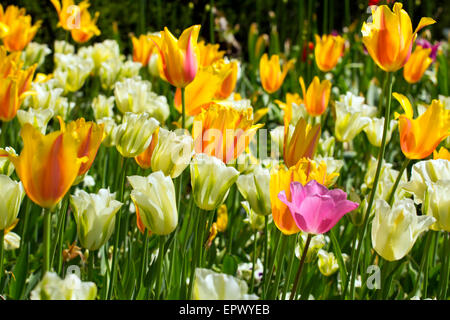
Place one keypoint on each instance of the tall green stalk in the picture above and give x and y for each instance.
(46, 240)
(300, 267)
(397, 181)
(2, 254)
(375, 185)
(183, 106)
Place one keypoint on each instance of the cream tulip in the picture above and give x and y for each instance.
(10, 200)
(374, 131)
(38, 118)
(437, 204)
(254, 187)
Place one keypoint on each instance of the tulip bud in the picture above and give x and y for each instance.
(100, 52)
(317, 243)
(155, 202)
(10, 199)
(35, 53)
(6, 166)
(108, 131)
(172, 153)
(211, 181)
(396, 229)
(103, 107)
(437, 204)
(45, 95)
(210, 285)
(327, 263)
(254, 187)
(37, 118)
(52, 287)
(95, 217)
(72, 71)
(374, 131)
(133, 136)
(64, 47)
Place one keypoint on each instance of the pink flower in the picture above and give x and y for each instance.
(316, 209)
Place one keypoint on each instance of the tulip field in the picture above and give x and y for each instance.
(175, 150)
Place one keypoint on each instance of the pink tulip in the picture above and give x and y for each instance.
(316, 209)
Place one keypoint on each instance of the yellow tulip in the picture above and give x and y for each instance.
(143, 47)
(223, 131)
(389, 38)
(317, 96)
(280, 179)
(417, 64)
(419, 137)
(179, 57)
(270, 72)
(209, 53)
(144, 160)
(229, 84)
(48, 165)
(16, 29)
(328, 50)
(442, 154)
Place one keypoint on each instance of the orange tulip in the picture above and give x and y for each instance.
(144, 160)
(179, 57)
(16, 29)
(417, 64)
(270, 72)
(209, 53)
(223, 131)
(328, 50)
(389, 38)
(228, 85)
(317, 97)
(77, 19)
(90, 136)
(143, 47)
(280, 179)
(419, 137)
(48, 165)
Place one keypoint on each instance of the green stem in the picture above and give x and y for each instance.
(60, 228)
(4, 133)
(375, 185)
(91, 265)
(445, 267)
(288, 278)
(198, 219)
(46, 240)
(300, 267)
(266, 251)
(112, 281)
(144, 262)
(280, 260)
(252, 281)
(397, 181)
(2, 254)
(422, 262)
(183, 106)
(160, 264)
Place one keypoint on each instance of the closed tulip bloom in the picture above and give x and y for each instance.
(179, 57)
(374, 131)
(317, 96)
(154, 199)
(103, 107)
(211, 181)
(6, 166)
(316, 209)
(437, 204)
(224, 131)
(72, 71)
(209, 53)
(396, 229)
(389, 37)
(10, 200)
(327, 263)
(16, 29)
(417, 64)
(229, 84)
(144, 160)
(328, 50)
(48, 165)
(442, 154)
(210, 285)
(38, 118)
(134, 135)
(35, 53)
(280, 179)
(95, 217)
(270, 72)
(254, 187)
(317, 243)
(419, 137)
(52, 287)
(143, 48)
(172, 153)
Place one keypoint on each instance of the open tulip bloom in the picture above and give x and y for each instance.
(316, 209)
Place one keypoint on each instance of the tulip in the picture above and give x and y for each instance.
(47, 165)
(143, 48)
(254, 187)
(328, 50)
(108, 131)
(209, 53)
(64, 47)
(133, 136)
(396, 229)
(6, 166)
(293, 108)
(179, 58)
(425, 44)
(317, 243)
(316, 209)
(419, 137)
(52, 287)
(229, 84)
(442, 154)
(437, 204)
(210, 285)
(280, 179)
(16, 29)
(211, 181)
(256, 221)
(35, 53)
(10, 200)
(374, 130)
(417, 64)
(45, 96)
(155, 202)
(327, 263)
(317, 96)
(144, 160)
(352, 116)
(101, 52)
(270, 72)
(72, 71)
(389, 37)
(38, 118)
(223, 131)
(172, 153)
(103, 107)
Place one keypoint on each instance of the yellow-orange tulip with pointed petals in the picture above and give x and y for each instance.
(179, 57)
(317, 96)
(228, 85)
(328, 50)
(419, 137)
(270, 72)
(144, 160)
(223, 132)
(143, 47)
(417, 64)
(209, 53)
(389, 37)
(48, 165)
(442, 154)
